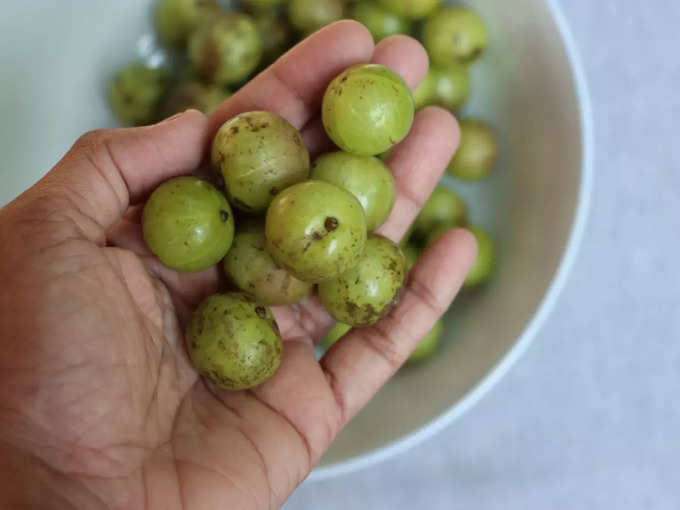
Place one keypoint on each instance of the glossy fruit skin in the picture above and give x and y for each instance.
(366, 177)
(226, 49)
(367, 109)
(335, 334)
(275, 34)
(411, 8)
(258, 154)
(250, 267)
(380, 21)
(485, 263)
(364, 294)
(194, 95)
(427, 345)
(425, 94)
(316, 230)
(234, 341)
(136, 94)
(452, 86)
(175, 20)
(310, 15)
(188, 224)
(454, 35)
(443, 207)
(444, 86)
(477, 153)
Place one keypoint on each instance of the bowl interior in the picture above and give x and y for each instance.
(58, 57)
(526, 88)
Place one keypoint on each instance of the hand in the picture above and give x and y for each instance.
(100, 406)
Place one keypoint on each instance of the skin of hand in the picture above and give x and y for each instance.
(100, 406)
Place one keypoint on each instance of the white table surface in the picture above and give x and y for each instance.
(590, 417)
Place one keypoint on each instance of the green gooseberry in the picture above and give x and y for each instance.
(310, 15)
(437, 231)
(454, 35)
(380, 22)
(234, 342)
(444, 206)
(275, 34)
(444, 86)
(477, 153)
(316, 230)
(226, 49)
(366, 177)
(365, 293)
(262, 4)
(188, 224)
(136, 94)
(258, 155)
(367, 109)
(411, 8)
(427, 345)
(452, 86)
(194, 95)
(250, 267)
(336, 333)
(175, 20)
(485, 263)
(425, 94)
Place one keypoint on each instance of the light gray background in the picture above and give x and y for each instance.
(590, 417)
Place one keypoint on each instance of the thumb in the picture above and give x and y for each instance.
(108, 170)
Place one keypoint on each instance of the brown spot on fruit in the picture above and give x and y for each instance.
(331, 223)
(261, 312)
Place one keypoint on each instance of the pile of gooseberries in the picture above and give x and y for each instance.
(279, 224)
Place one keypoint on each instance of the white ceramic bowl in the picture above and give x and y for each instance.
(56, 58)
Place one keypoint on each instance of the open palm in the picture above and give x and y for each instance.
(100, 406)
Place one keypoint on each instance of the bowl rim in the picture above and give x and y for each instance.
(555, 288)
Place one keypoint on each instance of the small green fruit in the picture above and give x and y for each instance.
(454, 35)
(444, 206)
(177, 19)
(226, 49)
(234, 342)
(136, 94)
(188, 224)
(411, 8)
(310, 15)
(364, 294)
(478, 151)
(486, 259)
(258, 154)
(427, 345)
(367, 109)
(194, 95)
(250, 267)
(366, 177)
(316, 230)
(380, 21)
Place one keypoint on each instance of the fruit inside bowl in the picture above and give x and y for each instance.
(520, 178)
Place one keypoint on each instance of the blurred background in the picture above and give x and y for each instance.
(589, 417)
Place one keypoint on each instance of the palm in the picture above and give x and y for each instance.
(96, 359)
